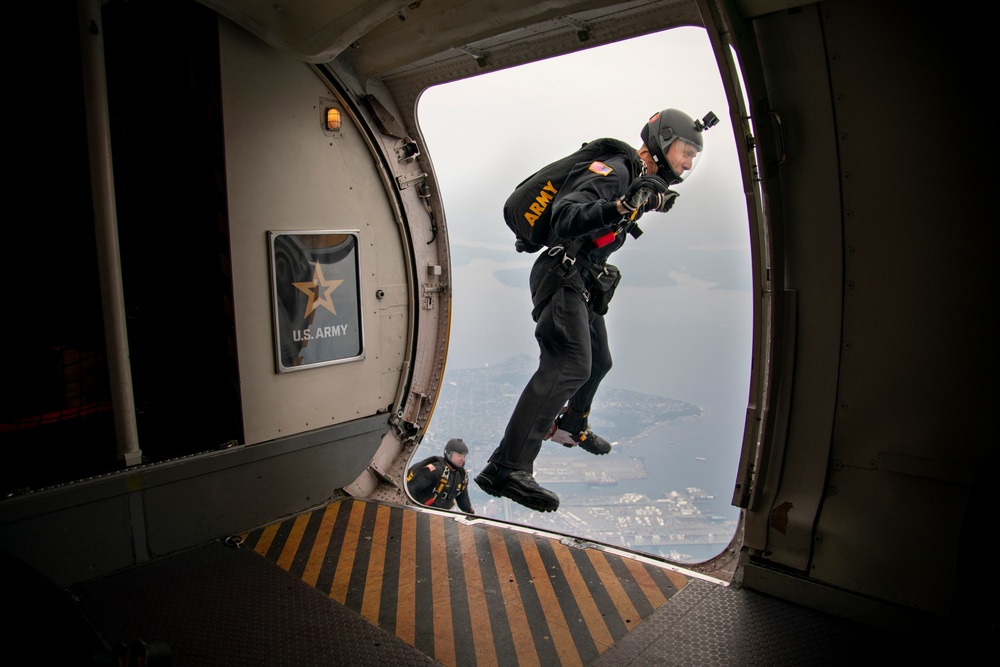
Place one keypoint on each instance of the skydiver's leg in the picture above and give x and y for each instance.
(572, 427)
(565, 361)
(599, 368)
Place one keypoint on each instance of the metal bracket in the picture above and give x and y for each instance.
(478, 54)
(406, 180)
(427, 293)
(582, 29)
(387, 123)
(407, 150)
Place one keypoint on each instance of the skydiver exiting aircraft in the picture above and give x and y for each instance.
(592, 206)
(440, 481)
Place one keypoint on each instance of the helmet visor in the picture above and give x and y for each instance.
(682, 156)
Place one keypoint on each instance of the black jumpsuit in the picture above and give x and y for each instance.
(424, 482)
(572, 337)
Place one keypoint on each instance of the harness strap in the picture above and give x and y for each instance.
(570, 249)
(442, 483)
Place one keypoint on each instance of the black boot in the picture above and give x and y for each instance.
(571, 429)
(517, 485)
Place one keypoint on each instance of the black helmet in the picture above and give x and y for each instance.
(456, 445)
(667, 126)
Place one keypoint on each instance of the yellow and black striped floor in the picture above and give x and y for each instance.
(361, 583)
(468, 593)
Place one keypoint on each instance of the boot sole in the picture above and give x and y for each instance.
(487, 487)
(531, 502)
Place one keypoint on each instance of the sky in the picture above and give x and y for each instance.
(680, 322)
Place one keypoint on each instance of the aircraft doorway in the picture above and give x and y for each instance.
(680, 325)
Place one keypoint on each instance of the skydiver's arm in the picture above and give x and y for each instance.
(421, 484)
(465, 503)
(588, 202)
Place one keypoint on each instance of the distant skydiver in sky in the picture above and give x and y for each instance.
(441, 481)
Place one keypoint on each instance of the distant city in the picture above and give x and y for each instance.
(600, 497)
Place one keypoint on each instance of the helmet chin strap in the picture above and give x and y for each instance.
(649, 165)
(667, 173)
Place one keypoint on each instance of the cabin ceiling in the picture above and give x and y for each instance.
(410, 45)
(317, 31)
(405, 31)
(382, 38)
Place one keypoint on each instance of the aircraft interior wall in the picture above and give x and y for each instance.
(167, 145)
(54, 342)
(186, 293)
(286, 174)
(163, 100)
(885, 427)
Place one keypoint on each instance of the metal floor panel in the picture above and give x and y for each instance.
(362, 583)
(217, 605)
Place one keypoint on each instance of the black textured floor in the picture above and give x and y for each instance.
(218, 605)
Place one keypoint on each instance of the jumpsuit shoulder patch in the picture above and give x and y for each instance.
(430, 466)
(600, 168)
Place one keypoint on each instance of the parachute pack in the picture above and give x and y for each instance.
(528, 211)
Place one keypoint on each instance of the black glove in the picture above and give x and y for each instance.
(640, 190)
(661, 202)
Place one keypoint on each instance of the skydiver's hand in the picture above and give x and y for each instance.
(661, 202)
(640, 190)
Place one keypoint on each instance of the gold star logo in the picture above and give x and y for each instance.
(312, 289)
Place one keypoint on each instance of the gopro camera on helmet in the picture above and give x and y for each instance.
(710, 120)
